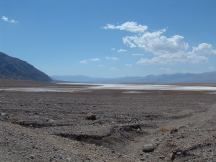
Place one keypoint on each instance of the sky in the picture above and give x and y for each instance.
(111, 38)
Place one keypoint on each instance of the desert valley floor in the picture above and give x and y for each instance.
(114, 125)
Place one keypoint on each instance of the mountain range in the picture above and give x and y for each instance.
(14, 68)
(207, 77)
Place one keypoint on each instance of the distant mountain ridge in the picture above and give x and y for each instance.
(207, 77)
(14, 68)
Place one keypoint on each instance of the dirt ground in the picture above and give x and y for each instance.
(106, 125)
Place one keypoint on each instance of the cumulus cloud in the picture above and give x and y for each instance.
(173, 58)
(111, 58)
(204, 49)
(6, 19)
(128, 26)
(89, 60)
(198, 54)
(164, 49)
(156, 42)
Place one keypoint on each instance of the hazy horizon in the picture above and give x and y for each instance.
(132, 75)
(111, 39)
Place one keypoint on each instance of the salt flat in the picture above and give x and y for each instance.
(86, 87)
(154, 87)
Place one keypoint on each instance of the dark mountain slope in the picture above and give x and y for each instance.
(13, 68)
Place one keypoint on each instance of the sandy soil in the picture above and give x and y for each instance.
(106, 125)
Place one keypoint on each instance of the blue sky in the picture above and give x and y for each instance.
(111, 38)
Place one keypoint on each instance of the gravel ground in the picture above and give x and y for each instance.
(106, 125)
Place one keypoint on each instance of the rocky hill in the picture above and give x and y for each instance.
(14, 68)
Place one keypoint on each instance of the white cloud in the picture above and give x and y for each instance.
(164, 49)
(156, 42)
(6, 19)
(89, 60)
(121, 50)
(128, 26)
(83, 62)
(173, 58)
(197, 55)
(111, 58)
(94, 59)
(204, 49)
